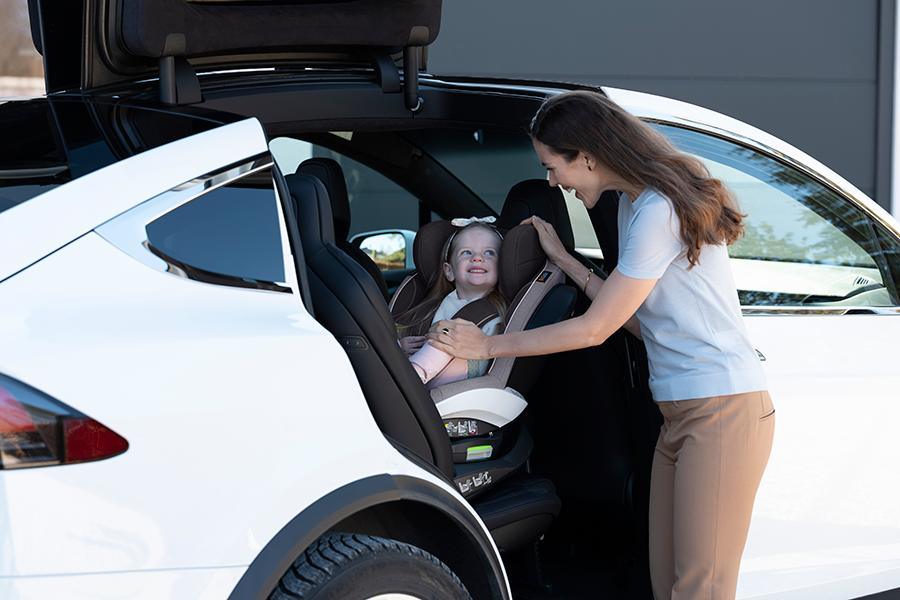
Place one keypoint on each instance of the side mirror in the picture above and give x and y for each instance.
(389, 250)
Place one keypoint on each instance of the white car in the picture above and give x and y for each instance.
(197, 398)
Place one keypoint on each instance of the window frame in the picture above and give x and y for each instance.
(877, 221)
(129, 231)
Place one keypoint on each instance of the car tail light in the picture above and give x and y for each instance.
(38, 431)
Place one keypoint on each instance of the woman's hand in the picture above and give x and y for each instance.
(550, 242)
(412, 343)
(460, 338)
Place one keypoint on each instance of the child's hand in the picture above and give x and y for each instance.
(411, 343)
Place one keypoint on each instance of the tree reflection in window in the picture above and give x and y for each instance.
(803, 243)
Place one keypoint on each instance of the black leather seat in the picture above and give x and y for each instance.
(330, 173)
(350, 306)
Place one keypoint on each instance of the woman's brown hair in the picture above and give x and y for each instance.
(424, 310)
(589, 122)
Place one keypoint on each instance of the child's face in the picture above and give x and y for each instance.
(473, 262)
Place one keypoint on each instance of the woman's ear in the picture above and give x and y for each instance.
(448, 272)
(587, 160)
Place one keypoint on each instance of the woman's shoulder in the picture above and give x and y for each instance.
(653, 205)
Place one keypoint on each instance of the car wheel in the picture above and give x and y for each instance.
(364, 567)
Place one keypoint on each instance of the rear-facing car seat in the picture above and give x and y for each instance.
(349, 304)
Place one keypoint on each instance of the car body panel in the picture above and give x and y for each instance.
(197, 584)
(162, 339)
(827, 508)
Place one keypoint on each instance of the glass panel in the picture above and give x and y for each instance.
(232, 230)
(488, 162)
(387, 250)
(376, 202)
(582, 228)
(803, 244)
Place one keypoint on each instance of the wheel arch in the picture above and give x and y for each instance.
(399, 507)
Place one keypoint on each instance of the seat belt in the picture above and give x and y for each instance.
(480, 312)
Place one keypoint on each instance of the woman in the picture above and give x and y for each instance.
(673, 287)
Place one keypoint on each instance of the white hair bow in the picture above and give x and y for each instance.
(463, 222)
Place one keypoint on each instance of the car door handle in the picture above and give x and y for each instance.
(760, 355)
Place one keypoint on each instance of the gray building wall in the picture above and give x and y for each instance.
(816, 73)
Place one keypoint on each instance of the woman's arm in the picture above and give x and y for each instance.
(590, 283)
(613, 304)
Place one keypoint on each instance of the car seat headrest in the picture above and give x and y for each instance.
(330, 173)
(521, 256)
(427, 248)
(537, 197)
(521, 259)
(313, 208)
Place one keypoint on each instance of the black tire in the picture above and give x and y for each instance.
(343, 566)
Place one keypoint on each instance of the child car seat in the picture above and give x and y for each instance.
(477, 412)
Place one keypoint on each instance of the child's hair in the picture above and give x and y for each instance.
(413, 317)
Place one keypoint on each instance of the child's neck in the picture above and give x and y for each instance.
(471, 294)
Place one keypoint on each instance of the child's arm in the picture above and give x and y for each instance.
(428, 362)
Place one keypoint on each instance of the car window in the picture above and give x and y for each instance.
(803, 243)
(490, 162)
(376, 202)
(232, 231)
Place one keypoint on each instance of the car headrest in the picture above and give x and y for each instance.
(427, 248)
(536, 197)
(313, 208)
(330, 173)
(521, 259)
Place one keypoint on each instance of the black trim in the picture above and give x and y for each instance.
(893, 594)
(276, 557)
(198, 274)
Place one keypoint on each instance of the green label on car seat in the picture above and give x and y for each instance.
(479, 452)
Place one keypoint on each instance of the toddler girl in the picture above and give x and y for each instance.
(470, 266)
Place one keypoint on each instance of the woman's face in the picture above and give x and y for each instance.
(472, 265)
(588, 183)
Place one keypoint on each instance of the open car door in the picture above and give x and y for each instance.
(130, 40)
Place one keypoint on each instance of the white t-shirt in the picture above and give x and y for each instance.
(697, 345)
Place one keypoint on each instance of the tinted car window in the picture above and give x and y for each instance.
(803, 243)
(232, 231)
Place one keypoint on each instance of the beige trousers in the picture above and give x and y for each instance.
(708, 462)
